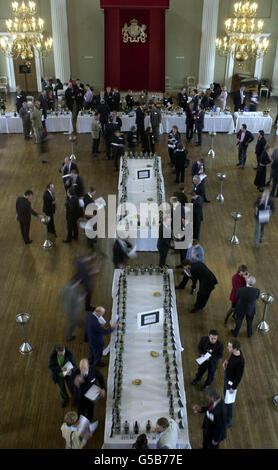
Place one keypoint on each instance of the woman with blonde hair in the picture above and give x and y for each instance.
(223, 98)
(75, 438)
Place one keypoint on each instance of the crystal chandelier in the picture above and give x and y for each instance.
(243, 34)
(26, 33)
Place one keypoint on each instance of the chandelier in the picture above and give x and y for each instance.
(26, 33)
(243, 37)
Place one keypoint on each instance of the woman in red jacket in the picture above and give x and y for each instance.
(238, 280)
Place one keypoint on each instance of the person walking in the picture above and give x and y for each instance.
(209, 344)
(244, 138)
(263, 161)
(25, 115)
(72, 298)
(234, 368)
(246, 306)
(264, 208)
(238, 280)
(59, 357)
(207, 282)
(94, 333)
(23, 215)
(95, 131)
(194, 254)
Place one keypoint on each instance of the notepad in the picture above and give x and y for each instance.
(93, 393)
(202, 359)
(69, 366)
(230, 397)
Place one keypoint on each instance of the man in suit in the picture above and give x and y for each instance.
(140, 122)
(209, 344)
(121, 249)
(260, 145)
(76, 183)
(95, 131)
(197, 202)
(36, 120)
(129, 99)
(264, 208)
(234, 368)
(79, 94)
(240, 99)
(118, 147)
(200, 187)
(180, 159)
(85, 273)
(110, 128)
(94, 333)
(195, 100)
(89, 198)
(182, 99)
(190, 120)
(200, 124)
(207, 282)
(108, 96)
(116, 99)
(155, 120)
(70, 96)
(43, 106)
(116, 120)
(58, 359)
(246, 306)
(49, 207)
(215, 420)
(244, 138)
(164, 242)
(194, 254)
(66, 169)
(20, 98)
(213, 95)
(24, 212)
(104, 112)
(72, 216)
(25, 115)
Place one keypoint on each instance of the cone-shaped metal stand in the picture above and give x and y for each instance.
(211, 152)
(22, 319)
(266, 299)
(45, 221)
(72, 139)
(220, 197)
(234, 240)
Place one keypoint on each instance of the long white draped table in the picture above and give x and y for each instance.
(148, 401)
(9, 124)
(254, 122)
(219, 123)
(141, 191)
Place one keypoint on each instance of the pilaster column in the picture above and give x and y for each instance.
(208, 43)
(275, 75)
(60, 40)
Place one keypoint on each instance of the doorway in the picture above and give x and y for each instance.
(26, 76)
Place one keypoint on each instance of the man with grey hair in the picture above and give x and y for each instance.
(246, 306)
(264, 208)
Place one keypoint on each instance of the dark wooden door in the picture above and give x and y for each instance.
(27, 81)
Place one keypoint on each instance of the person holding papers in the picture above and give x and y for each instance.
(94, 333)
(234, 368)
(246, 306)
(66, 169)
(215, 421)
(76, 435)
(86, 392)
(264, 208)
(200, 186)
(207, 282)
(61, 363)
(211, 351)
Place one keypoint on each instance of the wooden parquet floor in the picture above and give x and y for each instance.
(31, 279)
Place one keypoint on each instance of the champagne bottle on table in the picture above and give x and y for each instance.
(136, 428)
(148, 427)
(126, 428)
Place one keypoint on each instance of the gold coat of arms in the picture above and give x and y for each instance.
(134, 32)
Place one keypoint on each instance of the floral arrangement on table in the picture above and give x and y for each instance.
(266, 112)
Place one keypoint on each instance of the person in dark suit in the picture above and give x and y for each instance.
(70, 96)
(66, 169)
(24, 212)
(83, 379)
(118, 147)
(182, 99)
(206, 101)
(89, 198)
(199, 124)
(72, 216)
(209, 344)
(121, 249)
(164, 242)
(264, 209)
(197, 202)
(260, 145)
(264, 160)
(215, 421)
(104, 112)
(129, 99)
(244, 138)
(195, 99)
(20, 98)
(200, 187)
(149, 141)
(25, 115)
(58, 359)
(94, 333)
(190, 120)
(274, 174)
(234, 368)
(85, 272)
(140, 122)
(181, 196)
(132, 138)
(246, 306)
(116, 99)
(43, 100)
(116, 120)
(207, 282)
(155, 120)
(213, 95)
(198, 168)
(180, 160)
(76, 183)
(110, 128)
(49, 207)
(194, 254)
(79, 91)
(240, 99)
(108, 96)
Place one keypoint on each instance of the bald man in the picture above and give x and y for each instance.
(94, 333)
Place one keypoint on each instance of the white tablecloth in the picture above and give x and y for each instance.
(139, 191)
(221, 123)
(254, 121)
(13, 125)
(148, 401)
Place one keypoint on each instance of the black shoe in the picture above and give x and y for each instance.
(71, 339)
(206, 200)
(44, 161)
(243, 167)
(233, 333)
(238, 164)
(75, 238)
(255, 168)
(64, 403)
(195, 382)
(66, 241)
(29, 242)
(204, 388)
(194, 310)
(101, 364)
